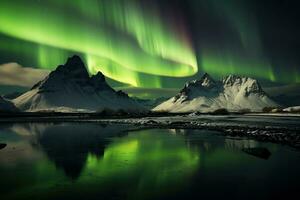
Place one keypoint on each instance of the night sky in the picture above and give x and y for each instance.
(156, 43)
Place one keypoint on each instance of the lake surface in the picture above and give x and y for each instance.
(94, 161)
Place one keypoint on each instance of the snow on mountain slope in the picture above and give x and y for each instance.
(7, 106)
(292, 109)
(69, 88)
(206, 95)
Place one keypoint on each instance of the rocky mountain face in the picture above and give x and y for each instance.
(70, 88)
(233, 93)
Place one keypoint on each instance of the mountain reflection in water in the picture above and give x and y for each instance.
(90, 160)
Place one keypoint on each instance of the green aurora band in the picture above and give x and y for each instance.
(242, 55)
(238, 48)
(134, 43)
(226, 62)
(117, 37)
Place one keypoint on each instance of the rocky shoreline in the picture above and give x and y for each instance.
(280, 130)
(281, 135)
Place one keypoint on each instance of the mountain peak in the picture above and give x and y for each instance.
(250, 85)
(233, 79)
(99, 77)
(74, 67)
(207, 81)
(74, 60)
(70, 87)
(99, 83)
(232, 92)
(206, 75)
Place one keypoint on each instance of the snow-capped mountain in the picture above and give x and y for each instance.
(233, 93)
(69, 88)
(7, 106)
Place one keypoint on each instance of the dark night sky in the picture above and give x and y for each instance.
(277, 22)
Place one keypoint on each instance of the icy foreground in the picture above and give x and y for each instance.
(233, 93)
(70, 89)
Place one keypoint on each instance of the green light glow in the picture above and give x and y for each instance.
(113, 71)
(226, 63)
(142, 161)
(240, 49)
(243, 55)
(117, 36)
(143, 164)
(50, 56)
(148, 150)
(134, 43)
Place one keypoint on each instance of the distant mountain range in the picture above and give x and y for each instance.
(69, 88)
(233, 93)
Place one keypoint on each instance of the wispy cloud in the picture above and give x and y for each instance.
(16, 75)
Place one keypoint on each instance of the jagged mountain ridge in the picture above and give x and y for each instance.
(70, 88)
(233, 93)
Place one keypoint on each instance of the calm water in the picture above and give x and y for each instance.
(92, 161)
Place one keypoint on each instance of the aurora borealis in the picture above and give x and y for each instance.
(111, 34)
(155, 44)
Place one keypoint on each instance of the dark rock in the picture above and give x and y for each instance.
(122, 94)
(178, 123)
(221, 111)
(7, 105)
(259, 152)
(2, 145)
